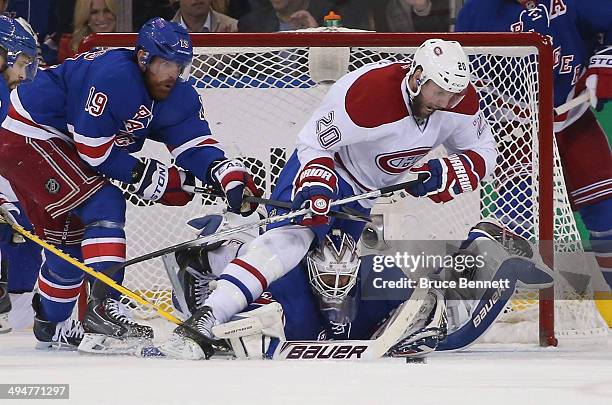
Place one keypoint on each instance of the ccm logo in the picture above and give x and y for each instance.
(399, 162)
(325, 352)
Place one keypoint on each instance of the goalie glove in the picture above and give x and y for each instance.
(315, 188)
(236, 182)
(598, 78)
(154, 181)
(448, 177)
(423, 336)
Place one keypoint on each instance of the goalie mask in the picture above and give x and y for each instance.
(444, 63)
(333, 267)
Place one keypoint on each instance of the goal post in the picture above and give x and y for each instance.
(259, 89)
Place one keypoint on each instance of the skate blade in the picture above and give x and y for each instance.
(94, 343)
(55, 346)
(5, 326)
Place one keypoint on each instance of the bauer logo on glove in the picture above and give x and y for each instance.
(448, 177)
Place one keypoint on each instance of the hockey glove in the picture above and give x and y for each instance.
(448, 177)
(236, 182)
(598, 78)
(154, 181)
(8, 211)
(315, 188)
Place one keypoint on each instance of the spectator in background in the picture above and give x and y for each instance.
(413, 16)
(90, 16)
(144, 10)
(285, 15)
(200, 16)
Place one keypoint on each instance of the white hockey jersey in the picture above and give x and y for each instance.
(365, 124)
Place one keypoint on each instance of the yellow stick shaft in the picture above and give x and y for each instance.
(100, 276)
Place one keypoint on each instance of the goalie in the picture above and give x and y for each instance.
(321, 298)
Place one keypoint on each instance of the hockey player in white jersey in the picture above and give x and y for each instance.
(372, 128)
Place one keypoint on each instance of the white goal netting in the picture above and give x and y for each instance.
(258, 97)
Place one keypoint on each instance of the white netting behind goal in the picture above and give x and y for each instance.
(256, 100)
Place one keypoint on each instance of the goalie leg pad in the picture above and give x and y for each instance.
(510, 259)
(253, 333)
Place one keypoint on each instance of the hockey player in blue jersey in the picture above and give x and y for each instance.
(329, 295)
(75, 127)
(18, 64)
(580, 65)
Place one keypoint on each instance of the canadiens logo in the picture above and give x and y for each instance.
(399, 162)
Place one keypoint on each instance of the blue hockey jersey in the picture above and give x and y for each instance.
(99, 102)
(572, 25)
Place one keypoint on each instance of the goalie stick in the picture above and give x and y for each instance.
(224, 234)
(390, 334)
(384, 339)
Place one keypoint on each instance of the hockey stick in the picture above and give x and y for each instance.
(96, 274)
(563, 108)
(352, 215)
(357, 349)
(223, 234)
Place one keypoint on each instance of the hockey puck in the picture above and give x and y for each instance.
(416, 360)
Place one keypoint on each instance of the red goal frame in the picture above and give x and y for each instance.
(372, 39)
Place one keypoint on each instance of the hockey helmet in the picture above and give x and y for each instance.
(445, 63)
(16, 40)
(333, 266)
(167, 40)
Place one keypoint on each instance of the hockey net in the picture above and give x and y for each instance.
(258, 91)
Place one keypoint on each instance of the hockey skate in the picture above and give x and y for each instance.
(195, 276)
(66, 335)
(110, 330)
(5, 308)
(194, 339)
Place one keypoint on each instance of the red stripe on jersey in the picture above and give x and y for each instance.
(376, 98)
(236, 175)
(256, 273)
(63, 293)
(103, 249)
(16, 116)
(605, 262)
(469, 105)
(478, 162)
(95, 152)
(207, 141)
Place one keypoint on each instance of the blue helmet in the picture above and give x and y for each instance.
(16, 40)
(167, 40)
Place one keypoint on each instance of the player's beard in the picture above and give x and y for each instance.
(158, 90)
(420, 109)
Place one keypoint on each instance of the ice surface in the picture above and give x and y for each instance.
(495, 374)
